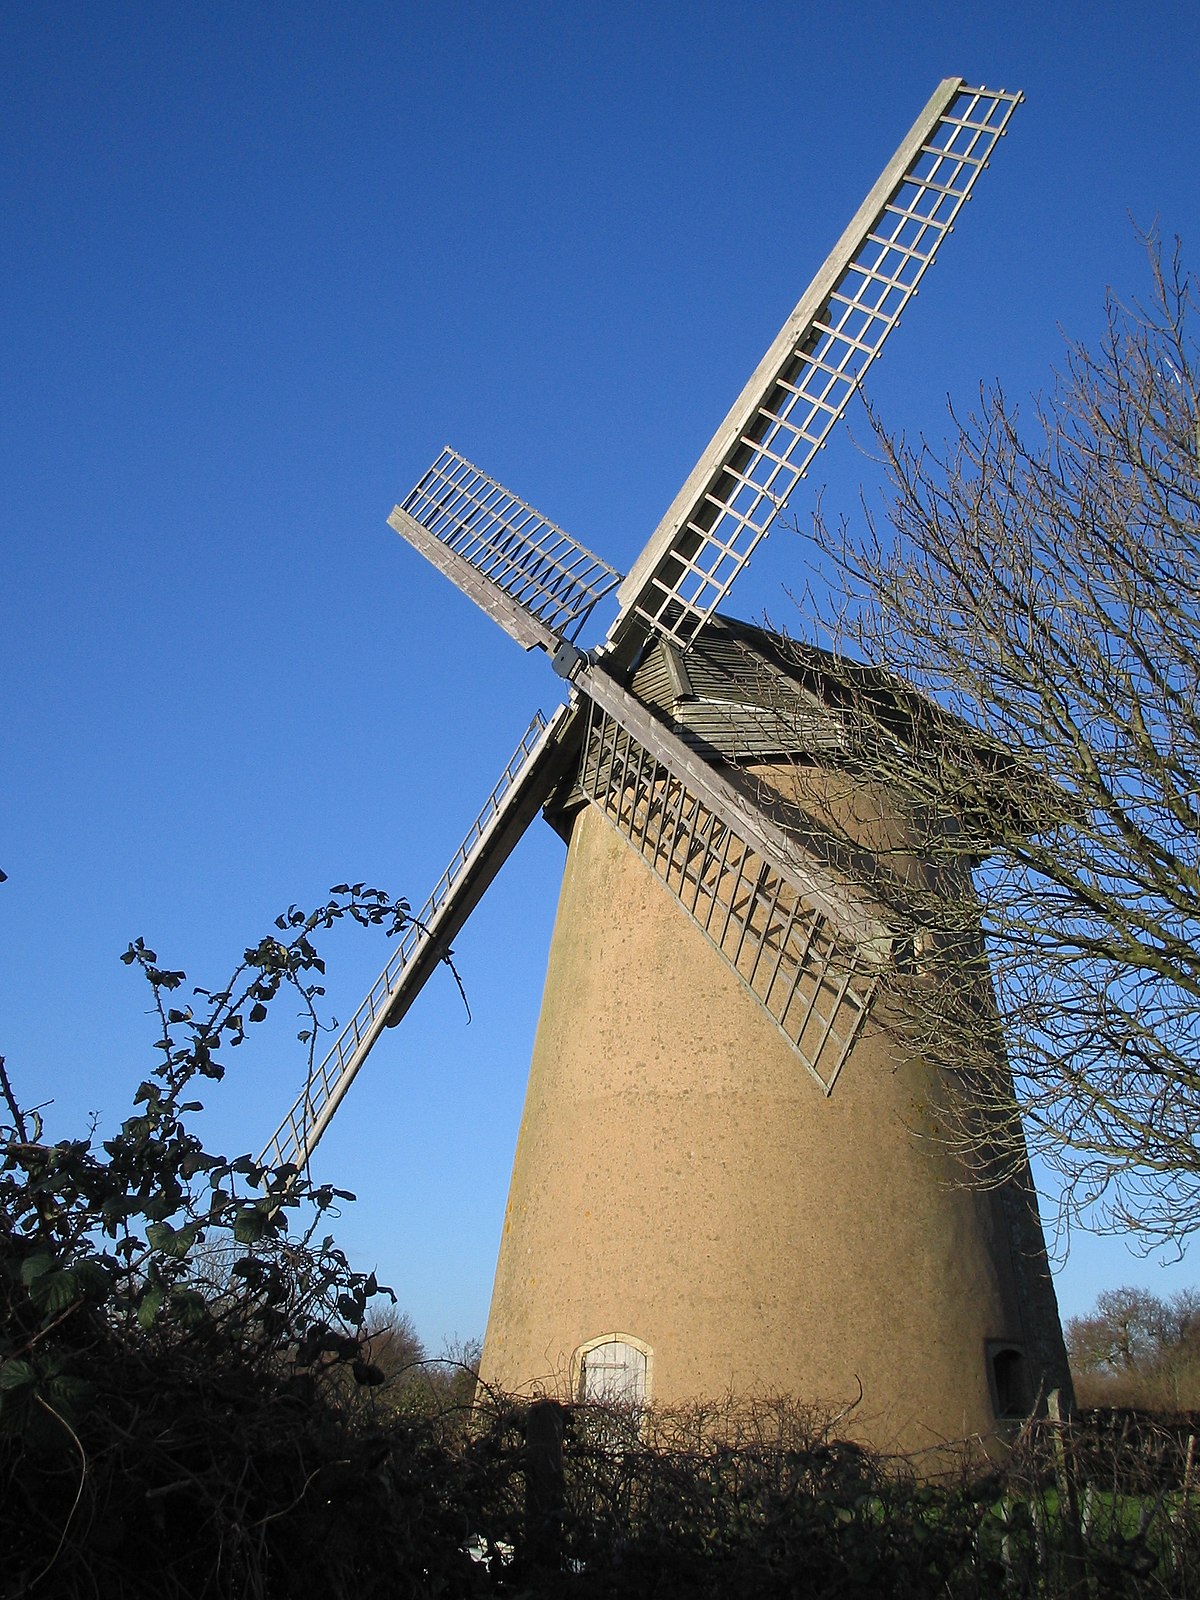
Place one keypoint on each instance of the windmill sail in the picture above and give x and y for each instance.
(805, 862)
(537, 582)
(800, 932)
(806, 379)
(668, 1144)
(812, 981)
(511, 806)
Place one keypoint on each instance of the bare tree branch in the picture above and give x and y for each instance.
(1039, 579)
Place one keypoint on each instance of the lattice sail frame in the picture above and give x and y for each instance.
(812, 985)
(309, 1115)
(487, 539)
(807, 378)
(541, 585)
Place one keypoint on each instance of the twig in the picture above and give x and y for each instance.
(15, 1111)
(62, 1538)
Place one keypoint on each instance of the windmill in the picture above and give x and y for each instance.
(717, 1183)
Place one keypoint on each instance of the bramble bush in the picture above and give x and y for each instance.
(181, 1370)
(199, 1400)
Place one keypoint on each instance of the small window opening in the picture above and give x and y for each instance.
(613, 1372)
(1010, 1388)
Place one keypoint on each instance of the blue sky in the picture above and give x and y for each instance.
(260, 262)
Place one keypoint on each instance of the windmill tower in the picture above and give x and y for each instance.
(721, 1183)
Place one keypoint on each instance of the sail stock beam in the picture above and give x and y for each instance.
(522, 790)
(808, 376)
(846, 905)
(814, 983)
(536, 581)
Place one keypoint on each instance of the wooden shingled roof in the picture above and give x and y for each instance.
(740, 691)
(744, 694)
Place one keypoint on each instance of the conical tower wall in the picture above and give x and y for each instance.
(683, 1185)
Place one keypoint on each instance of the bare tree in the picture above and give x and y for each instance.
(1137, 1349)
(414, 1380)
(1039, 580)
(393, 1343)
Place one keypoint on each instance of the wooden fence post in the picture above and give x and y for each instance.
(545, 1425)
(1075, 1559)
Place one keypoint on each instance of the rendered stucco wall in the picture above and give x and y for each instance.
(680, 1178)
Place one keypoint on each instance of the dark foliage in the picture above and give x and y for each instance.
(178, 1371)
(197, 1402)
(760, 1500)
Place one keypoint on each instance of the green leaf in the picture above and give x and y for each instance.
(258, 1011)
(55, 1291)
(159, 1236)
(93, 1277)
(150, 1305)
(171, 1241)
(69, 1396)
(36, 1266)
(249, 1225)
(17, 1374)
(190, 1306)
